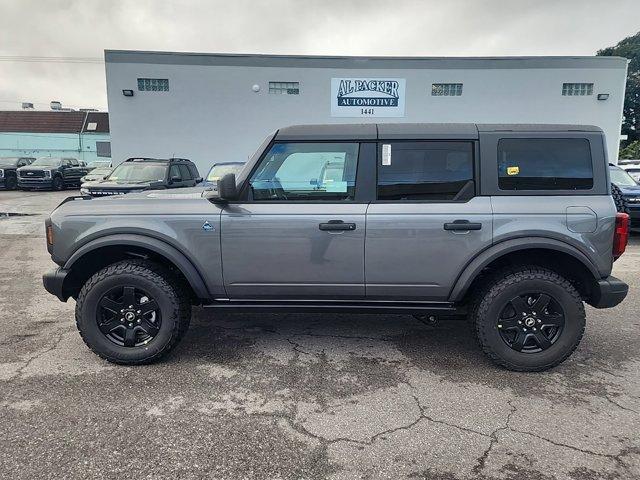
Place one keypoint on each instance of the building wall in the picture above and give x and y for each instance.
(82, 147)
(211, 113)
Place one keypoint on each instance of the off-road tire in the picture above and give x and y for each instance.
(173, 300)
(487, 303)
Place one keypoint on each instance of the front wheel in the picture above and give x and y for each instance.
(529, 319)
(132, 312)
(58, 183)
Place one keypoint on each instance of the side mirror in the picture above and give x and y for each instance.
(227, 189)
(199, 180)
(175, 179)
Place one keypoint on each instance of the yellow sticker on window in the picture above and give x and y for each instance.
(513, 170)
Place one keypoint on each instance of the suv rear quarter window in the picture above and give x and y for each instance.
(544, 164)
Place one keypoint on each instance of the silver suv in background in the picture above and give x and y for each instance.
(511, 226)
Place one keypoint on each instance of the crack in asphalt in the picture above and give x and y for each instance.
(34, 357)
(610, 400)
(482, 459)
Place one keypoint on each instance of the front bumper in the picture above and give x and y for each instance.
(53, 282)
(35, 182)
(610, 292)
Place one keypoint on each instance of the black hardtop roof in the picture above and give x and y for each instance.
(396, 131)
(157, 160)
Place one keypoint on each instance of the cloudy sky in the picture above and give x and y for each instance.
(53, 49)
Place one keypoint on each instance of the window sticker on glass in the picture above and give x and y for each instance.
(513, 170)
(386, 154)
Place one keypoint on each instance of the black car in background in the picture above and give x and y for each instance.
(138, 174)
(51, 173)
(8, 170)
(626, 194)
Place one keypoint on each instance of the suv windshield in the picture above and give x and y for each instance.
(221, 169)
(46, 162)
(621, 178)
(138, 172)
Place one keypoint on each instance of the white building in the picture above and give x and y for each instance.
(214, 107)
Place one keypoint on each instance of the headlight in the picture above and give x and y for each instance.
(84, 191)
(47, 174)
(1, 173)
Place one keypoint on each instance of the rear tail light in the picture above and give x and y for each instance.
(621, 234)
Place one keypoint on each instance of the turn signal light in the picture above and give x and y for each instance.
(50, 235)
(621, 234)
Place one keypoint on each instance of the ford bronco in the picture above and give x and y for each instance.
(512, 226)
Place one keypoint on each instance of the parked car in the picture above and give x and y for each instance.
(626, 194)
(51, 173)
(219, 170)
(632, 167)
(461, 219)
(96, 174)
(138, 174)
(8, 170)
(99, 163)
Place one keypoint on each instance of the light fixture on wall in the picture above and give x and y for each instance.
(127, 93)
(256, 88)
(603, 96)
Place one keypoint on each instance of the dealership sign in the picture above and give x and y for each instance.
(367, 97)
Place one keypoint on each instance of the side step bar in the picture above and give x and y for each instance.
(314, 306)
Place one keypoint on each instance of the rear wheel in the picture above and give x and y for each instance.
(132, 312)
(529, 319)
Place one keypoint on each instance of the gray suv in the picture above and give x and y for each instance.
(512, 226)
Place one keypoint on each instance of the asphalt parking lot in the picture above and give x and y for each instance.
(303, 396)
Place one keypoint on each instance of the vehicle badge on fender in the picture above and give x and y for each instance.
(207, 227)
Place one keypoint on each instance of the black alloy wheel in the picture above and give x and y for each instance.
(531, 323)
(128, 316)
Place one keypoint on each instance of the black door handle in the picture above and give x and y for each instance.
(462, 225)
(335, 225)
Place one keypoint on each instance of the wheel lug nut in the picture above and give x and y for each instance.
(519, 322)
(524, 329)
(138, 320)
(535, 313)
(139, 311)
(131, 324)
(534, 329)
(122, 319)
(524, 314)
(130, 306)
(539, 321)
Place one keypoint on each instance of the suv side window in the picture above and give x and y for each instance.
(186, 174)
(425, 170)
(174, 171)
(65, 162)
(307, 171)
(544, 164)
(73, 162)
(193, 170)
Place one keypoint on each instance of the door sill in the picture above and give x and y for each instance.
(337, 306)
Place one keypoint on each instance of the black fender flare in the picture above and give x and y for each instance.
(473, 269)
(160, 247)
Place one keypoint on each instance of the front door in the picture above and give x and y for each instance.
(426, 223)
(299, 232)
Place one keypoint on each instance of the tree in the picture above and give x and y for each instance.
(631, 151)
(630, 49)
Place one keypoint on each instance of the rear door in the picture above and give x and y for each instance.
(426, 223)
(299, 232)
